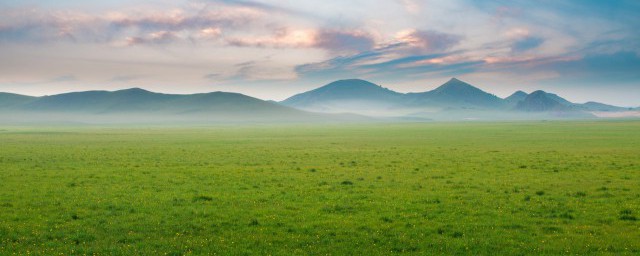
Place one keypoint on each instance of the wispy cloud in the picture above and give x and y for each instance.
(344, 41)
(427, 41)
(526, 43)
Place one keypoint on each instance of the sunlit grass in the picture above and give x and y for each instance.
(459, 188)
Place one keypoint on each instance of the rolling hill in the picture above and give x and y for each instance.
(455, 94)
(514, 98)
(9, 100)
(352, 95)
(343, 100)
(596, 106)
(540, 101)
(452, 100)
(140, 106)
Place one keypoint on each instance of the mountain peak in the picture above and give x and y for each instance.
(537, 93)
(347, 90)
(350, 83)
(133, 90)
(458, 94)
(516, 97)
(539, 101)
(456, 86)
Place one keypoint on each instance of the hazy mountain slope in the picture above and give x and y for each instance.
(558, 99)
(10, 100)
(141, 106)
(351, 89)
(129, 100)
(596, 106)
(540, 101)
(541, 104)
(515, 98)
(352, 95)
(225, 102)
(138, 100)
(454, 99)
(456, 94)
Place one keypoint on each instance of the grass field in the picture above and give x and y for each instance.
(440, 188)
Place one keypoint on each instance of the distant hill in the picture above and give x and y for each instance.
(9, 100)
(138, 105)
(596, 106)
(456, 94)
(129, 100)
(360, 96)
(139, 100)
(346, 96)
(343, 100)
(515, 98)
(540, 101)
(452, 100)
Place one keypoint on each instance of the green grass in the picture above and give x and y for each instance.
(460, 188)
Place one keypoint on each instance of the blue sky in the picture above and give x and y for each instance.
(582, 50)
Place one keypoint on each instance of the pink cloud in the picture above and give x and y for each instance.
(337, 41)
(427, 41)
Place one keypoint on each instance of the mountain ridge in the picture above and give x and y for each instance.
(453, 100)
(456, 93)
(137, 105)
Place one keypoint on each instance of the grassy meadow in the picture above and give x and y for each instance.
(511, 188)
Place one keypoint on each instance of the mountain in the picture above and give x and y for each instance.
(514, 98)
(129, 100)
(456, 94)
(343, 100)
(544, 101)
(137, 105)
(8, 100)
(453, 100)
(363, 97)
(352, 95)
(559, 99)
(541, 101)
(596, 106)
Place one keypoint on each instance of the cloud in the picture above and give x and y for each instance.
(427, 41)
(526, 43)
(411, 6)
(38, 26)
(255, 70)
(340, 41)
(160, 37)
(181, 19)
(412, 52)
(133, 27)
(390, 62)
(335, 41)
(280, 38)
(605, 66)
(212, 76)
(340, 63)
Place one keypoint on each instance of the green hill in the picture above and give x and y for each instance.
(456, 94)
(140, 106)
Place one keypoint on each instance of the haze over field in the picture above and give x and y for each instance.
(271, 50)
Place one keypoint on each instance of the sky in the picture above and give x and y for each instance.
(583, 50)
